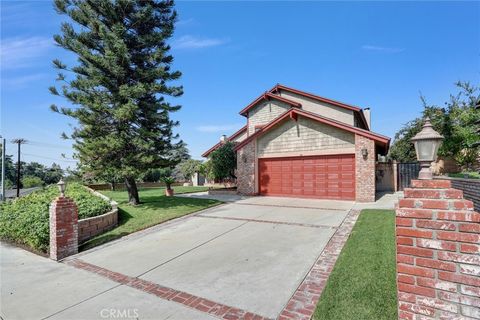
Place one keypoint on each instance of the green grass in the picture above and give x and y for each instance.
(155, 208)
(466, 175)
(362, 284)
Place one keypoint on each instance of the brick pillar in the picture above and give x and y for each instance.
(63, 228)
(438, 253)
(364, 169)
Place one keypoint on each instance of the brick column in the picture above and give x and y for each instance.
(63, 228)
(364, 169)
(438, 253)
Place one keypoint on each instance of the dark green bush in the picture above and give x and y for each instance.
(26, 220)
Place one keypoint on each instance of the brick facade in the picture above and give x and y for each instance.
(63, 228)
(438, 253)
(364, 169)
(246, 160)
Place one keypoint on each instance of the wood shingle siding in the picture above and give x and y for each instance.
(264, 113)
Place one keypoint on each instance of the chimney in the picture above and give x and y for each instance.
(366, 113)
(223, 138)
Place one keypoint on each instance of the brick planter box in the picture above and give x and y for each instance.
(91, 227)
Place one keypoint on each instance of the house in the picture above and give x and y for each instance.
(297, 144)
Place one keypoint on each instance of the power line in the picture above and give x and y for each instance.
(49, 158)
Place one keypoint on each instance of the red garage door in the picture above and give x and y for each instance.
(322, 177)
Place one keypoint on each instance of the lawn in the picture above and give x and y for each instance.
(362, 284)
(154, 209)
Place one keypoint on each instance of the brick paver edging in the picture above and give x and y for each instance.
(201, 304)
(303, 302)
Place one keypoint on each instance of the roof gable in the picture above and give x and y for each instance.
(294, 113)
(356, 109)
(268, 96)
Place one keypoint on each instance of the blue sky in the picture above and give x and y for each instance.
(371, 54)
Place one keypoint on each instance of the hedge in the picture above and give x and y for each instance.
(25, 220)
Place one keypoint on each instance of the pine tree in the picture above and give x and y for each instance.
(120, 85)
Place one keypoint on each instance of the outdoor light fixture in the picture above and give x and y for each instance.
(364, 153)
(426, 144)
(61, 187)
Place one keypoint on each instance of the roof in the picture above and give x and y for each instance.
(293, 114)
(268, 96)
(232, 137)
(357, 109)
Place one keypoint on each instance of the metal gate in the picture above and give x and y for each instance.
(406, 172)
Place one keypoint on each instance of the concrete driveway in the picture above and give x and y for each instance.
(252, 257)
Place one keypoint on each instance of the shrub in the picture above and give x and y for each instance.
(31, 181)
(26, 220)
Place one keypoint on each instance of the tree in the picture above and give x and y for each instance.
(10, 170)
(224, 162)
(120, 86)
(455, 121)
(31, 181)
(188, 168)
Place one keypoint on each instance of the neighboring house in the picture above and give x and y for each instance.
(297, 144)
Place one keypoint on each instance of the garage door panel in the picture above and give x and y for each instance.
(323, 177)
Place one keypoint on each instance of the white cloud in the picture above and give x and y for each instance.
(219, 128)
(20, 52)
(382, 49)
(191, 42)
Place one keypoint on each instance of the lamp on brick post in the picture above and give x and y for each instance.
(61, 186)
(426, 144)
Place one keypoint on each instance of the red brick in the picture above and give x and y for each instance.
(433, 204)
(417, 233)
(437, 284)
(422, 193)
(457, 236)
(404, 315)
(420, 252)
(469, 227)
(428, 292)
(458, 257)
(466, 216)
(415, 213)
(440, 225)
(454, 194)
(405, 259)
(406, 203)
(405, 222)
(405, 306)
(437, 244)
(407, 297)
(405, 241)
(469, 248)
(470, 269)
(435, 264)
(431, 184)
(462, 205)
(406, 279)
(416, 271)
(437, 304)
(468, 280)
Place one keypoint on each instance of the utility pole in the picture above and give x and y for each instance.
(2, 196)
(19, 142)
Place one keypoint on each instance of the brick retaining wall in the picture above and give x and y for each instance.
(438, 246)
(470, 188)
(91, 227)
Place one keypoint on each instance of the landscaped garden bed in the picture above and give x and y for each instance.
(362, 283)
(25, 221)
(155, 208)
